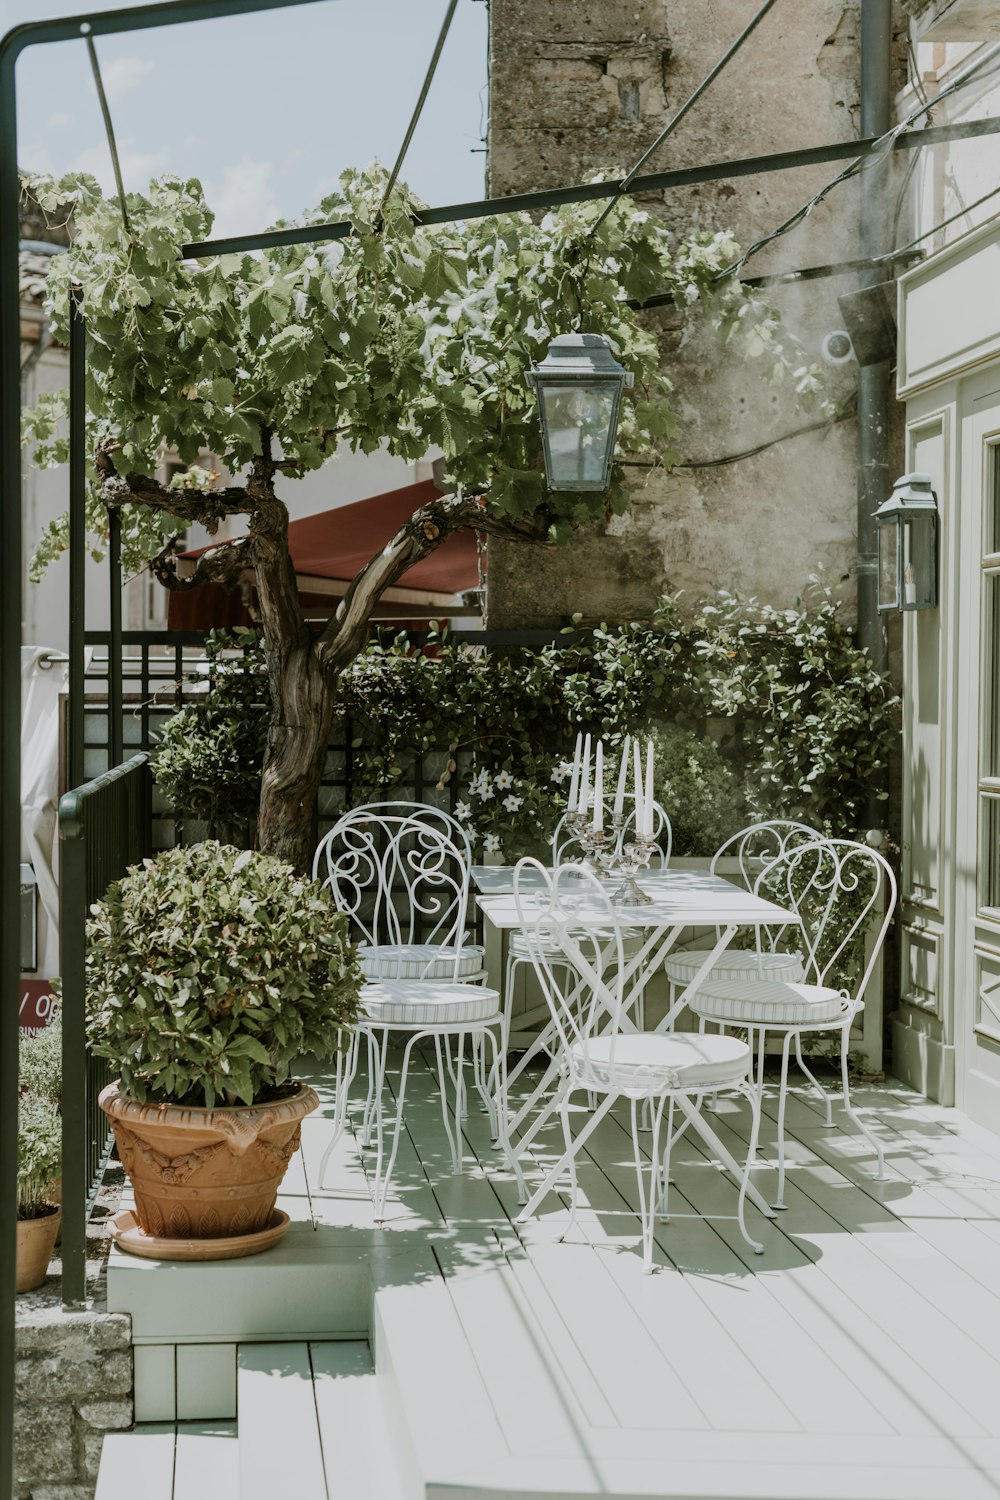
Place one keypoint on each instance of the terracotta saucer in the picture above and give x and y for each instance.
(126, 1233)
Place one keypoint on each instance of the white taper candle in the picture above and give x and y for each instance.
(647, 799)
(599, 788)
(637, 767)
(622, 777)
(574, 783)
(584, 797)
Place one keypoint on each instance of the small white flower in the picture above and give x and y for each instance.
(462, 810)
(512, 803)
(486, 792)
(504, 779)
(561, 771)
(491, 844)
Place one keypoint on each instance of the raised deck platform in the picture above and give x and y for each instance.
(858, 1357)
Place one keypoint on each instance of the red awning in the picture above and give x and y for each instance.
(328, 550)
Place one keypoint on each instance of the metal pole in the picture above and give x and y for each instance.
(873, 380)
(115, 746)
(10, 757)
(77, 531)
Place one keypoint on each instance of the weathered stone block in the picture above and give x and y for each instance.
(109, 1416)
(74, 1376)
(113, 1331)
(81, 1491)
(92, 1445)
(43, 1443)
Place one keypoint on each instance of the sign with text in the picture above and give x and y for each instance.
(38, 1006)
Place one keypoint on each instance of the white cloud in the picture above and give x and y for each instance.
(122, 74)
(32, 156)
(242, 200)
(60, 119)
(137, 166)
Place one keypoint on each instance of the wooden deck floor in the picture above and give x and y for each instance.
(860, 1355)
(857, 1359)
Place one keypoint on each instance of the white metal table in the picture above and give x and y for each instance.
(680, 899)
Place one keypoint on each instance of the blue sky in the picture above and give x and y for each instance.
(266, 109)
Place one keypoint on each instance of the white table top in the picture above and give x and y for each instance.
(691, 897)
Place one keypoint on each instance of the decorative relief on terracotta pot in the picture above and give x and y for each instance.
(206, 1174)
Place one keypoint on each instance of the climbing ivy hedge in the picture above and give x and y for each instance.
(755, 712)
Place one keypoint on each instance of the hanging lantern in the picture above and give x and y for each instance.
(579, 386)
(907, 545)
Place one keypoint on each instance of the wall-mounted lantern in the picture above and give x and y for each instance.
(579, 386)
(907, 545)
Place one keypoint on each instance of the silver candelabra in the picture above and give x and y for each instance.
(608, 855)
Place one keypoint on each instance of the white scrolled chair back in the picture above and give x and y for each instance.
(814, 879)
(566, 842)
(761, 844)
(400, 872)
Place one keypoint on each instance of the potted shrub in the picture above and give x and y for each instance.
(39, 1154)
(209, 970)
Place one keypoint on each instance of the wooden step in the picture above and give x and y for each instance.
(189, 1461)
(276, 1423)
(355, 1431)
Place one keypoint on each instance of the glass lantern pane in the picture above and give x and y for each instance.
(888, 576)
(577, 425)
(919, 562)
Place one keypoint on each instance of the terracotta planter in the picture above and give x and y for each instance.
(206, 1173)
(36, 1240)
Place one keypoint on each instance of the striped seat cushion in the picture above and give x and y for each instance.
(735, 963)
(649, 1059)
(758, 1002)
(390, 1002)
(419, 961)
(519, 945)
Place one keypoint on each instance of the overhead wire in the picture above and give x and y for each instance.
(108, 127)
(883, 145)
(418, 108)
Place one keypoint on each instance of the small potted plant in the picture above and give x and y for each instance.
(39, 1154)
(209, 971)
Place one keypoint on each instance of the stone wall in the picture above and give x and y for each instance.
(73, 1384)
(579, 86)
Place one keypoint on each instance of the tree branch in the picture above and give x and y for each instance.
(225, 564)
(427, 528)
(208, 507)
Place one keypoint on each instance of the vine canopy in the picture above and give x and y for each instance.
(408, 335)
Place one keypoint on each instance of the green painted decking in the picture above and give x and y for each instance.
(858, 1357)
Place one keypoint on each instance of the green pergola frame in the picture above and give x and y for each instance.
(110, 23)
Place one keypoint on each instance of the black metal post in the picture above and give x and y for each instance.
(115, 745)
(873, 380)
(73, 900)
(77, 532)
(10, 754)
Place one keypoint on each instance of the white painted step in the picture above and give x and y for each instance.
(299, 1404)
(189, 1461)
(355, 1429)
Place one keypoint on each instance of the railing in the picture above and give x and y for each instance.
(104, 826)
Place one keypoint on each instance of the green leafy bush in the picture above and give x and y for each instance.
(39, 1152)
(39, 1063)
(814, 722)
(210, 969)
(209, 756)
(702, 793)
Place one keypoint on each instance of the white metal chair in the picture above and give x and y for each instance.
(754, 847)
(573, 930)
(844, 893)
(400, 872)
(566, 846)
